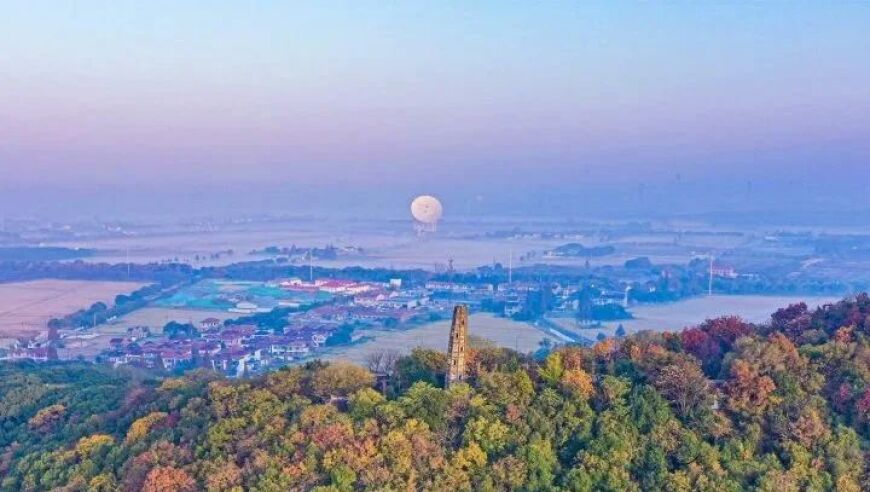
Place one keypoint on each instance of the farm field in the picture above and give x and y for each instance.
(678, 315)
(26, 307)
(221, 295)
(501, 331)
(391, 244)
(89, 343)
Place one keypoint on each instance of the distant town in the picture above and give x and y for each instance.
(251, 317)
(126, 294)
(300, 319)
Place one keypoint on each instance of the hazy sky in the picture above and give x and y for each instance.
(527, 103)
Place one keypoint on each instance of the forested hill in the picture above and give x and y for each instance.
(722, 406)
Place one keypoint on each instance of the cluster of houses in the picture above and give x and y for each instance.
(30, 350)
(245, 349)
(39, 348)
(512, 295)
(234, 350)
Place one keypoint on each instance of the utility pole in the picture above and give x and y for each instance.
(511, 267)
(710, 278)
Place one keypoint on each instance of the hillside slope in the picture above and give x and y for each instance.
(723, 406)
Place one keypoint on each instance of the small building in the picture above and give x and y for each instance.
(206, 348)
(138, 332)
(37, 354)
(283, 348)
(452, 287)
(342, 287)
(245, 307)
(231, 338)
(723, 271)
(176, 356)
(209, 324)
(318, 339)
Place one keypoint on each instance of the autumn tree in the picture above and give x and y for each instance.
(168, 479)
(340, 379)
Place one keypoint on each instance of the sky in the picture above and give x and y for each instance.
(514, 107)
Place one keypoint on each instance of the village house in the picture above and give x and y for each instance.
(210, 324)
(172, 357)
(206, 348)
(37, 354)
(403, 301)
(231, 338)
(237, 362)
(318, 338)
(138, 332)
(370, 299)
(452, 287)
(342, 287)
(234, 336)
(723, 271)
(338, 314)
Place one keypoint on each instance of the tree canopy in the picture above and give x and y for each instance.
(723, 406)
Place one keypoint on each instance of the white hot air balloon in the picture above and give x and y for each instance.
(427, 211)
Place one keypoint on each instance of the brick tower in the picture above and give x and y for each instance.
(457, 346)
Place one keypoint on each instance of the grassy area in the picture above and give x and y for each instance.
(26, 307)
(502, 331)
(678, 315)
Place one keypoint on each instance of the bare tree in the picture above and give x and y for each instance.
(382, 362)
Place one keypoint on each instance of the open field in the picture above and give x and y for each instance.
(472, 242)
(678, 315)
(392, 244)
(156, 318)
(221, 295)
(382, 249)
(26, 307)
(501, 331)
(90, 342)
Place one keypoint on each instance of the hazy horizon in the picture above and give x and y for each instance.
(806, 203)
(122, 109)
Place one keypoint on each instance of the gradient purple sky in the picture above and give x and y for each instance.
(372, 97)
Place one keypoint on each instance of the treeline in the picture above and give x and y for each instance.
(176, 273)
(42, 253)
(164, 273)
(649, 283)
(580, 251)
(724, 406)
(328, 252)
(100, 312)
(271, 269)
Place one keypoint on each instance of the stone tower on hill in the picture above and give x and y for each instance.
(458, 346)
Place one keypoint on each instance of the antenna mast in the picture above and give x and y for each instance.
(710, 278)
(511, 267)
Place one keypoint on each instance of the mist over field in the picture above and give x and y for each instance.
(797, 201)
